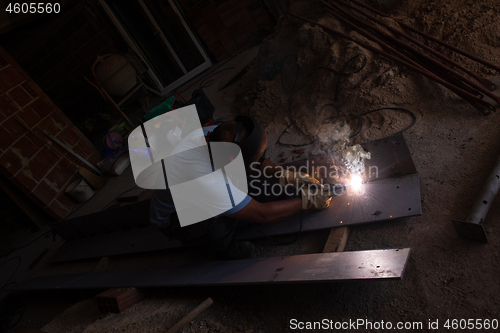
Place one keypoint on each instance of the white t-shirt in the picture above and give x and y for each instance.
(194, 163)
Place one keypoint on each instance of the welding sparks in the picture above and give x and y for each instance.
(355, 182)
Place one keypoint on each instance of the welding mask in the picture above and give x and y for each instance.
(254, 145)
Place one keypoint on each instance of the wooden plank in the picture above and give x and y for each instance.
(337, 240)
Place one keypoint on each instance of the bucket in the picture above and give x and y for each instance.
(80, 190)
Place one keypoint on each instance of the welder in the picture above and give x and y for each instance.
(219, 231)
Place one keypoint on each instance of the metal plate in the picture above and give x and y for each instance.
(390, 157)
(338, 266)
(116, 243)
(384, 199)
(122, 218)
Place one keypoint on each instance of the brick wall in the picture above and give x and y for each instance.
(58, 53)
(226, 27)
(30, 160)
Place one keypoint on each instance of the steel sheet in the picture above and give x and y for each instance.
(322, 267)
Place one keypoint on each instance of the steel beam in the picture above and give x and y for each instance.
(322, 267)
(473, 227)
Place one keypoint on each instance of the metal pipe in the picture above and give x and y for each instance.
(486, 106)
(472, 227)
(423, 34)
(485, 82)
(488, 93)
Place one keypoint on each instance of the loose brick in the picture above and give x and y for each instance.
(20, 96)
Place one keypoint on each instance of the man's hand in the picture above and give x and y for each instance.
(315, 197)
(296, 179)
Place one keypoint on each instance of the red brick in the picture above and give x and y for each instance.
(65, 199)
(68, 136)
(7, 106)
(226, 39)
(57, 177)
(232, 48)
(67, 168)
(222, 56)
(20, 96)
(93, 159)
(10, 161)
(243, 40)
(25, 178)
(29, 116)
(38, 169)
(35, 88)
(42, 107)
(78, 149)
(11, 76)
(47, 156)
(51, 125)
(226, 15)
(263, 21)
(44, 193)
(4, 86)
(258, 13)
(13, 127)
(242, 21)
(27, 147)
(78, 133)
(58, 209)
(222, 8)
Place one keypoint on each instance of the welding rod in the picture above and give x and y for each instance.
(408, 47)
(423, 34)
(479, 104)
(485, 82)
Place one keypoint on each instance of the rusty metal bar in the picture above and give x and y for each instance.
(485, 82)
(367, 24)
(434, 39)
(479, 104)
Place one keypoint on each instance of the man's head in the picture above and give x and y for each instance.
(246, 133)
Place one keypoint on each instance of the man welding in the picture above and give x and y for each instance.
(219, 231)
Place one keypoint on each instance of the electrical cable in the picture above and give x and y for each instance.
(293, 90)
